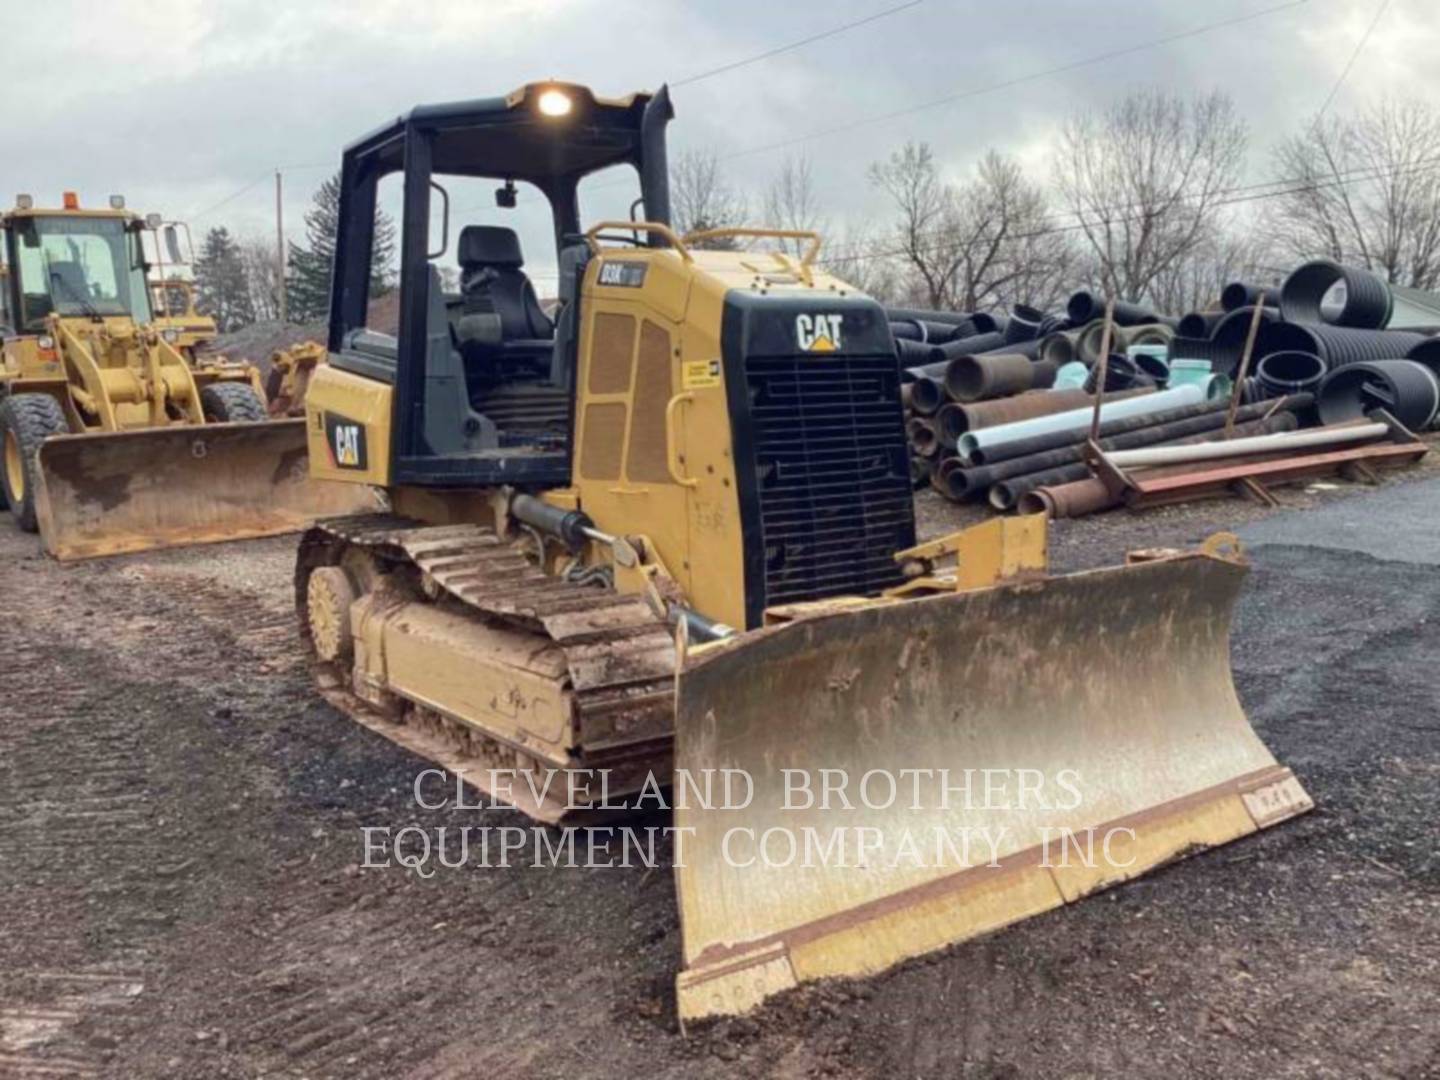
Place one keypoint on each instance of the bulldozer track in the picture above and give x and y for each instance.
(619, 656)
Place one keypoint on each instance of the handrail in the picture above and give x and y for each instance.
(806, 260)
(592, 235)
(672, 454)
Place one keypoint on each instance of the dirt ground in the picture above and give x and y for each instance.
(181, 893)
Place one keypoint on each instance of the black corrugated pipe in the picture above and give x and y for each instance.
(1407, 390)
(1086, 307)
(1197, 324)
(937, 333)
(1239, 294)
(907, 330)
(954, 318)
(1154, 367)
(1224, 359)
(967, 346)
(986, 323)
(1427, 353)
(1024, 324)
(1290, 373)
(1336, 345)
(1234, 326)
(1005, 494)
(970, 481)
(1368, 301)
(912, 354)
(1120, 374)
(1053, 324)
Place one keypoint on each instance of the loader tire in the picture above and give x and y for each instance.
(232, 402)
(26, 420)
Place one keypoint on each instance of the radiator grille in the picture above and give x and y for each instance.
(832, 474)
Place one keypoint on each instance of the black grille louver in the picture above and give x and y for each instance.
(831, 474)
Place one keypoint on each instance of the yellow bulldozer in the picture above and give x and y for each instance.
(115, 436)
(668, 538)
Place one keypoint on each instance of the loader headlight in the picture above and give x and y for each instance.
(45, 341)
(117, 202)
(24, 202)
(554, 102)
(153, 221)
(172, 336)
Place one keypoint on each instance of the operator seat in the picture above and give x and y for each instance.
(71, 279)
(491, 282)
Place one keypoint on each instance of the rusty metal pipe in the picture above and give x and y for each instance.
(1004, 495)
(974, 480)
(993, 375)
(1075, 499)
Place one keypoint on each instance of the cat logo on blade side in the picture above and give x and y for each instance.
(818, 333)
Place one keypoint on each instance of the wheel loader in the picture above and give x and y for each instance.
(171, 264)
(114, 437)
(668, 536)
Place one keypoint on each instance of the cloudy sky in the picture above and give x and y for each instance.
(188, 106)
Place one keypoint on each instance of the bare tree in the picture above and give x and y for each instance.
(1233, 252)
(859, 257)
(262, 274)
(1146, 180)
(1366, 191)
(986, 243)
(792, 203)
(701, 198)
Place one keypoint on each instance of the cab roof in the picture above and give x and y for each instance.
(511, 138)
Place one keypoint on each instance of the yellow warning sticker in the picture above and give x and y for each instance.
(700, 374)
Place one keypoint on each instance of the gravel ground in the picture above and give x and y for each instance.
(180, 845)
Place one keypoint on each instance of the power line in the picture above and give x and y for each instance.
(231, 197)
(1359, 47)
(821, 36)
(266, 175)
(1058, 69)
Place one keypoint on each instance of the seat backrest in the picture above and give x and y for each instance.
(491, 281)
(72, 286)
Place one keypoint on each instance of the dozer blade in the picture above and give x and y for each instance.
(1101, 703)
(169, 487)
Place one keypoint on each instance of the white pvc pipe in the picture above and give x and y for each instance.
(1259, 444)
(1079, 419)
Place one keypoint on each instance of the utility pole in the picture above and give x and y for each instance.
(280, 246)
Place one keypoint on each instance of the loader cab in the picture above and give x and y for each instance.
(81, 264)
(482, 372)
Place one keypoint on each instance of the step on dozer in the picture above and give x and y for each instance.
(927, 771)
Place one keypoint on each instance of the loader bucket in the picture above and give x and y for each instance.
(1102, 704)
(168, 487)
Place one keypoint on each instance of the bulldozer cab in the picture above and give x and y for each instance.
(76, 264)
(482, 374)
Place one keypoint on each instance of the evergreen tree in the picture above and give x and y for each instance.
(222, 287)
(310, 266)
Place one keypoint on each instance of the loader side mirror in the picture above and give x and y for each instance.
(506, 197)
(172, 244)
